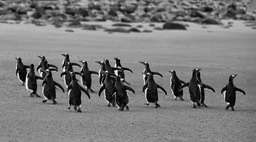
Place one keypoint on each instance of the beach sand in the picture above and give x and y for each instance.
(218, 51)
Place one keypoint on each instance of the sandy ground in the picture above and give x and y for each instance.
(217, 51)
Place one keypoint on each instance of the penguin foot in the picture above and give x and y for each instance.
(54, 102)
(75, 108)
(146, 104)
(108, 105)
(232, 108)
(92, 90)
(37, 95)
(194, 106)
(181, 99)
(204, 105)
(175, 99)
(44, 101)
(127, 108)
(32, 95)
(79, 110)
(68, 107)
(157, 105)
(227, 107)
(121, 109)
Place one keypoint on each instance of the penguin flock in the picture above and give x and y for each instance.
(113, 84)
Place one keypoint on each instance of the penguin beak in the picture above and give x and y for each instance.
(144, 63)
(64, 55)
(16, 58)
(171, 71)
(83, 62)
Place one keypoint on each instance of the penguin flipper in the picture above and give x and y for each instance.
(240, 90)
(144, 87)
(183, 86)
(130, 89)
(124, 68)
(17, 70)
(182, 82)
(39, 77)
(26, 66)
(86, 92)
(51, 65)
(101, 89)
(69, 87)
(157, 73)
(94, 72)
(160, 87)
(223, 89)
(38, 67)
(63, 73)
(208, 87)
(75, 64)
(57, 85)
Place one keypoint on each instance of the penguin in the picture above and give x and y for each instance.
(150, 90)
(67, 73)
(120, 94)
(65, 61)
(21, 70)
(108, 67)
(193, 88)
(74, 92)
(44, 65)
(108, 87)
(101, 71)
(175, 84)
(202, 86)
(148, 70)
(31, 84)
(86, 78)
(230, 92)
(120, 70)
(49, 85)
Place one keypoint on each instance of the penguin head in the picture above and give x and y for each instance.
(42, 57)
(32, 67)
(84, 63)
(99, 62)
(18, 59)
(144, 63)
(195, 72)
(117, 59)
(66, 55)
(173, 72)
(231, 77)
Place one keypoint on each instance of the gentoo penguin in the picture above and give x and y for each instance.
(120, 94)
(86, 78)
(44, 65)
(65, 61)
(49, 85)
(31, 84)
(148, 70)
(230, 92)
(66, 74)
(193, 88)
(21, 70)
(175, 84)
(108, 87)
(74, 92)
(150, 89)
(120, 70)
(202, 86)
(101, 71)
